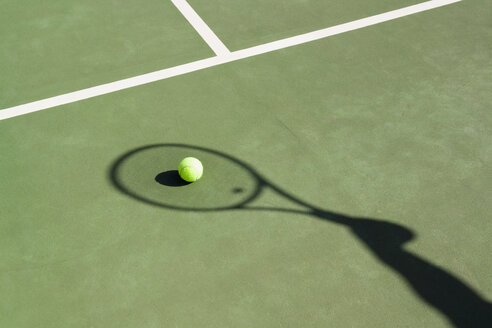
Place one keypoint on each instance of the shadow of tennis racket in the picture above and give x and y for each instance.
(234, 185)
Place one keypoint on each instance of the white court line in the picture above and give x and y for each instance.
(214, 61)
(201, 27)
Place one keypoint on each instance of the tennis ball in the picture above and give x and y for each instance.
(190, 169)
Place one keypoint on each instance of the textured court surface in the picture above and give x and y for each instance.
(387, 124)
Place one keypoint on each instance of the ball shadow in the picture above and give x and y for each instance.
(171, 178)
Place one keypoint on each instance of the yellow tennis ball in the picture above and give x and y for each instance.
(190, 169)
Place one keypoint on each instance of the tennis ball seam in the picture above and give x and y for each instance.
(190, 169)
(186, 167)
(196, 176)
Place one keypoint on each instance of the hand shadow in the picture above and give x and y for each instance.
(462, 305)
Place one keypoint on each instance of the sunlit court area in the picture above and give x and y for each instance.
(340, 171)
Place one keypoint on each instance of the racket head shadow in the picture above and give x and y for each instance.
(149, 175)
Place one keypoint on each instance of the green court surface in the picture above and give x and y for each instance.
(56, 46)
(242, 24)
(347, 180)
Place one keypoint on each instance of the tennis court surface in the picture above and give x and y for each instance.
(346, 151)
